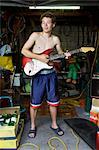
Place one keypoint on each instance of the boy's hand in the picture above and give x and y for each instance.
(44, 58)
(67, 54)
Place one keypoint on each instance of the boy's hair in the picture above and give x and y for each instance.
(48, 14)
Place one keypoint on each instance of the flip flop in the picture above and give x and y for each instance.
(58, 131)
(32, 133)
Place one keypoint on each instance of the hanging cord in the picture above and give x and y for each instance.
(92, 67)
(97, 46)
(91, 72)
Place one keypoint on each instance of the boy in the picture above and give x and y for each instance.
(45, 80)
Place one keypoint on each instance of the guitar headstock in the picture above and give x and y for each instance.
(87, 49)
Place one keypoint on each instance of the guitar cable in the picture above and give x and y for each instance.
(51, 146)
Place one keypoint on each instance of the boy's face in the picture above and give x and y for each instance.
(47, 24)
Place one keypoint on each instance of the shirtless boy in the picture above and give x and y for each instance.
(45, 80)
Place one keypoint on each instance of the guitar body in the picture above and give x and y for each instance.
(33, 66)
(25, 60)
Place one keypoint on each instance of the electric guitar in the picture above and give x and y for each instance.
(33, 66)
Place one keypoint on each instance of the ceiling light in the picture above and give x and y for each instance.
(54, 7)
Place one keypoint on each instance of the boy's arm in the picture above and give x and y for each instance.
(58, 46)
(59, 49)
(26, 49)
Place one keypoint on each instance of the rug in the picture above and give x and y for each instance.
(85, 129)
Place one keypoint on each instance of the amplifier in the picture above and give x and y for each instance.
(95, 86)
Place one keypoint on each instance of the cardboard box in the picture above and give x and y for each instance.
(8, 144)
(9, 131)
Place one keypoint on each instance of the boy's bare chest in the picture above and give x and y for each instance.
(42, 44)
(45, 42)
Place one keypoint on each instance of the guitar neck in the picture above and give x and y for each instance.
(75, 51)
(59, 56)
(82, 49)
(56, 56)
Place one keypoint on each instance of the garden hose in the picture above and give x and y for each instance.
(77, 138)
(29, 144)
(52, 147)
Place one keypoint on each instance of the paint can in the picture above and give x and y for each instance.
(16, 81)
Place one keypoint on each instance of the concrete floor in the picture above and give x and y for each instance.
(44, 133)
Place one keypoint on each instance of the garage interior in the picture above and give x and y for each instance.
(78, 113)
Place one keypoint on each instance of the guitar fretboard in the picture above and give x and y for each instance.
(57, 56)
(75, 51)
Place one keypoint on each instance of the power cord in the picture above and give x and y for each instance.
(29, 144)
(51, 146)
